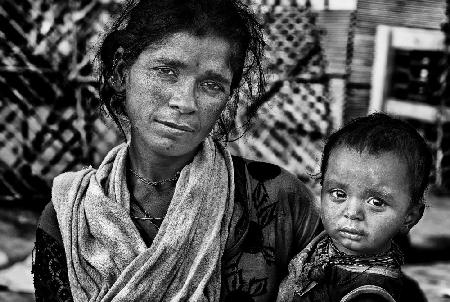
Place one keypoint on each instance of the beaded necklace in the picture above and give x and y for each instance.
(154, 183)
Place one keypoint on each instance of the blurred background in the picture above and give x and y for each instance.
(327, 61)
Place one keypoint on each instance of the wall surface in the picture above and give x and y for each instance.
(428, 14)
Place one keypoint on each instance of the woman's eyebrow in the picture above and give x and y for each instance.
(217, 77)
(171, 62)
(180, 64)
(212, 74)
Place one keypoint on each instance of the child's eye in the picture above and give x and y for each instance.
(376, 202)
(338, 194)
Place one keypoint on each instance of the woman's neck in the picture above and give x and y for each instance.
(155, 167)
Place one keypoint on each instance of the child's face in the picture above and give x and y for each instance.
(365, 200)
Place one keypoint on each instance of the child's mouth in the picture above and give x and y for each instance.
(351, 233)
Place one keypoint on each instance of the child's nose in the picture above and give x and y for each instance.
(354, 209)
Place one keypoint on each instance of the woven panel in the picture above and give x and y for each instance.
(289, 129)
(48, 92)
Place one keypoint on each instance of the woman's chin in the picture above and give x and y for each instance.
(166, 146)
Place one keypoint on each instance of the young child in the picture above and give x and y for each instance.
(374, 173)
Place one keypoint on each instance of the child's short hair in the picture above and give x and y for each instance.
(379, 133)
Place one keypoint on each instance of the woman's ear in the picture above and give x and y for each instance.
(118, 77)
(413, 216)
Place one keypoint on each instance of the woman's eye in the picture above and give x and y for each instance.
(166, 71)
(338, 194)
(376, 202)
(212, 86)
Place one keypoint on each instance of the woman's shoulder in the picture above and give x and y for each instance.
(275, 177)
(62, 184)
(48, 222)
(67, 179)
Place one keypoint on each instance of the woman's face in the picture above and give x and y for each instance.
(176, 91)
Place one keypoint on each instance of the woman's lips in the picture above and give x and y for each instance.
(181, 127)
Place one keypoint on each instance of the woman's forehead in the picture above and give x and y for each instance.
(210, 51)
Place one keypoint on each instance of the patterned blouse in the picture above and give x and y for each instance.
(273, 219)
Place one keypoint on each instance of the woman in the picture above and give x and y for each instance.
(170, 215)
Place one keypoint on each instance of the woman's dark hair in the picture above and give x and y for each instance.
(148, 22)
(379, 133)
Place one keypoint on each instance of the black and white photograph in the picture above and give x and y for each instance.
(225, 150)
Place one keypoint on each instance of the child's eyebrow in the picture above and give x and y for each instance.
(376, 192)
(333, 183)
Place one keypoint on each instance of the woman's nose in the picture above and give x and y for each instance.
(184, 97)
(354, 209)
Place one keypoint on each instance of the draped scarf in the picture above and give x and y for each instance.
(106, 257)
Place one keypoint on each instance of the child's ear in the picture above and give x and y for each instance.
(118, 77)
(415, 213)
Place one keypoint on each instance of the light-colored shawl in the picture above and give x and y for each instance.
(106, 257)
